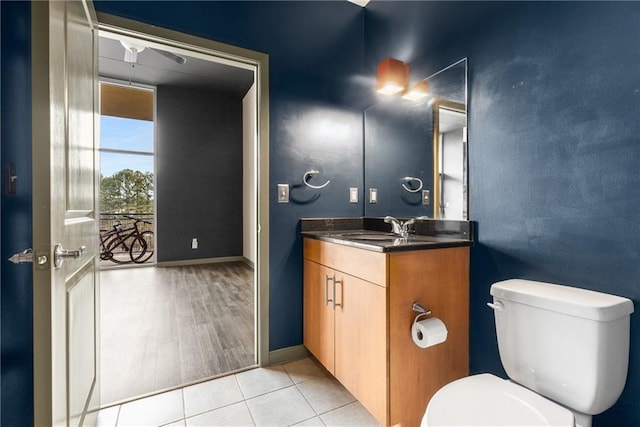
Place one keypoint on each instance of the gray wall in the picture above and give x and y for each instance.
(199, 174)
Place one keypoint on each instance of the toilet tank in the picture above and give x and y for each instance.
(568, 344)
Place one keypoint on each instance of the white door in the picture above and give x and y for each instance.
(64, 89)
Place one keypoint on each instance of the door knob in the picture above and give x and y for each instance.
(59, 254)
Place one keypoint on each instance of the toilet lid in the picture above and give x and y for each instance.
(486, 400)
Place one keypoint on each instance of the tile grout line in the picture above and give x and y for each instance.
(118, 416)
(318, 414)
(253, 420)
(219, 407)
(184, 407)
(245, 399)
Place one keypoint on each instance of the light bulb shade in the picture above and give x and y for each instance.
(418, 91)
(392, 77)
(131, 51)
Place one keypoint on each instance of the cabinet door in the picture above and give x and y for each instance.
(318, 313)
(361, 342)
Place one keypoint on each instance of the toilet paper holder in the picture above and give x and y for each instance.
(428, 332)
(418, 308)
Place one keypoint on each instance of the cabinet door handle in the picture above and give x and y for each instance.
(335, 304)
(326, 289)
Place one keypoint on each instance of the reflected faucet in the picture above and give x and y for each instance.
(400, 227)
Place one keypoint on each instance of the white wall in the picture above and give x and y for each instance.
(249, 175)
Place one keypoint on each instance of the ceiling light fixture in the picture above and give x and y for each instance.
(418, 91)
(131, 51)
(392, 77)
(361, 3)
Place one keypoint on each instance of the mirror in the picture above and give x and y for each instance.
(415, 152)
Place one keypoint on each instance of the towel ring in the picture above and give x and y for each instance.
(408, 179)
(311, 173)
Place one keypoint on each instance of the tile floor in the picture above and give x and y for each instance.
(297, 393)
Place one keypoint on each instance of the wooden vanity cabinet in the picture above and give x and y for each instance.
(345, 325)
(365, 340)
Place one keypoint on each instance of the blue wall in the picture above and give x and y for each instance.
(398, 137)
(554, 130)
(16, 349)
(554, 145)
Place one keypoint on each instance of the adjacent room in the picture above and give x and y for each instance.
(177, 231)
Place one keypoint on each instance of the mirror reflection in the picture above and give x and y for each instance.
(415, 152)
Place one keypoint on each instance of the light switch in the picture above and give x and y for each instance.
(353, 195)
(283, 193)
(425, 197)
(373, 195)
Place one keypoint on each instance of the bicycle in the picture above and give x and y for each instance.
(135, 242)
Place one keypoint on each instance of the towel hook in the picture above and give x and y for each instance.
(311, 173)
(408, 179)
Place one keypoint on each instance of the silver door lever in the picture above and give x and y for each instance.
(59, 254)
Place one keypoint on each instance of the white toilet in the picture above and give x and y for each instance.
(566, 351)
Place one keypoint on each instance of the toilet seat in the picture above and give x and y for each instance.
(487, 400)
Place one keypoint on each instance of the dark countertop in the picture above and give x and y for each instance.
(384, 242)
(374, 234)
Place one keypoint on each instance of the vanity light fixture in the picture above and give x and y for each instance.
(392, 77)
(418, 91)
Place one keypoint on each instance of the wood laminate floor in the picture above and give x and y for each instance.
(165, 327)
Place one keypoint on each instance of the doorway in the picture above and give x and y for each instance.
(251, 184)
(450, 121)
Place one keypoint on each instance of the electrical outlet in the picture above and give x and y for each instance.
(373, 195)
(425, 197)
(353, 195)
(194, 243)
(283, 193)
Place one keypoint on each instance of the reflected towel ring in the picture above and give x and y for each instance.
(312, 173)
(408, 179)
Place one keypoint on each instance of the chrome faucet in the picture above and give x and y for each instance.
(396, 226)
(401, 227)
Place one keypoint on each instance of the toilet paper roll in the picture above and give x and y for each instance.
(428, 332)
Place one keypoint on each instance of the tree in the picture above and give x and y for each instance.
(127, 191)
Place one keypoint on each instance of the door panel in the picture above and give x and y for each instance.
(64, 89)
(81, 333)
(80, 167)
(361, 342)
(318, 315)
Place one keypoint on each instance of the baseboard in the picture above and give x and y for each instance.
(287, 354)
(200, 261)
(248, 262)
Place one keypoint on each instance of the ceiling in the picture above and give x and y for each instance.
(153, 68)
